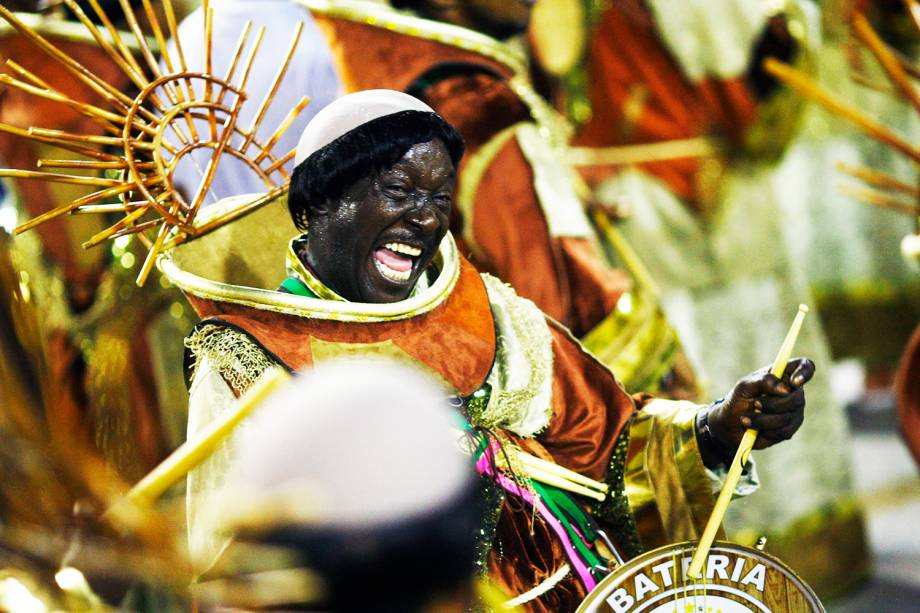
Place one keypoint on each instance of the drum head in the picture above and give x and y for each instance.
(736, 579)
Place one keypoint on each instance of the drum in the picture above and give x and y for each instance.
(736, 579)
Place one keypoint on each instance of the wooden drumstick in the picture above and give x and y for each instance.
(193, 452)
(741, 456)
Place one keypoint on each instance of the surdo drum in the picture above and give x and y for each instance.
(735, 579)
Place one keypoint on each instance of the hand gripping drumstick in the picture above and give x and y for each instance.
(741, 456)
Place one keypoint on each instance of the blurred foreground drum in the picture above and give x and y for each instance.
(737, 579)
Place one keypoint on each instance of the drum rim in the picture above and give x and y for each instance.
(689, 546)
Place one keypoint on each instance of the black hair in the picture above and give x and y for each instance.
(369, 148)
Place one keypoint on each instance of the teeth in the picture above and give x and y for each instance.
(394, 275)
(405, 249)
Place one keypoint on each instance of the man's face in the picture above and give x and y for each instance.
(377, 239)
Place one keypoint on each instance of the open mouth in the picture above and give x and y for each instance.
(396, 261)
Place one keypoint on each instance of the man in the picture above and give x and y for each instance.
(519, 212)
(378, 273)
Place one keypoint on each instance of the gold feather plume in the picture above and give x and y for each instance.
(175, 113)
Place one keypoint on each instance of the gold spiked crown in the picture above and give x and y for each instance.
(175, 112)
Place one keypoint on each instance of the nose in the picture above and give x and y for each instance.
(424, 217)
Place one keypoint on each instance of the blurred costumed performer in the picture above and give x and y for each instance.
(687, 77)
(376, 272)
(81, 341)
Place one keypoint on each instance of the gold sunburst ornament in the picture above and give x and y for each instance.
(175, 112)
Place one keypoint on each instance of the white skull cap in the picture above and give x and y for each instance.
(349, 112)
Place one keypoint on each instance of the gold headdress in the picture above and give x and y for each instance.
(175, 112)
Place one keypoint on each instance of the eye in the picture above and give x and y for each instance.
(396, 191)
(443, 200)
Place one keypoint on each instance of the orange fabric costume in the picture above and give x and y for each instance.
(640, 95)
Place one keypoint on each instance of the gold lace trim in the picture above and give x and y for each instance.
(231, 353)
(521, 380)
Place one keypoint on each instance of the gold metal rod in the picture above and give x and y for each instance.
(273, 89)
(151, 60)
(801, 83)
(136, 77)
(174, 34)
(66, 208)
(23, 133)
(78, 138)
(234, 60)
(152, 254)
(116, 37)
(167, 59)
(83, 107)
(208, 67)
(861, 79)
(127, 220)
(211, 168)
(107, 193)
(58, 178)
(104, 194)
(880, 200)
(26, 74)
(281, 161)
(237, 213)
(135, 27)
(107, 208)
(914, 8)
(637, 154)
(101, 116)
(741, 456)
(158, 34)
(97, 84)
(89, 164)
(878, 179)
(252, 56)
(136, 229)
(282, 128)
(202, 444)
(886, 58)
(146, 242)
